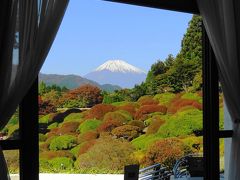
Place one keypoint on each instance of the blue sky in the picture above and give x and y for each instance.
(94, 31)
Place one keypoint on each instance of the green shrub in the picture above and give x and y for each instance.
(221, 117)
(42, 137)
(45, 119)
(192, 96)
(12, 129)
(107, 153)
(63, 142)
(53, 125)
(74, 117)
(88, 125)
(182, 123)
(121, 103)
(12, 160)
(164, 98)
(76, 150)
(61, 163)
(143, 141)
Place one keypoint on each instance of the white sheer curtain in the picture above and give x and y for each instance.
(33, 24)
(222, 21)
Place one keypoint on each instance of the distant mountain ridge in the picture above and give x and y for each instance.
(73, 81)
(117, 72)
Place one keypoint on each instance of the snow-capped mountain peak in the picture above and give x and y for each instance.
(119, 66)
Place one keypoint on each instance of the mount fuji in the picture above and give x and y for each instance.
(117, 72)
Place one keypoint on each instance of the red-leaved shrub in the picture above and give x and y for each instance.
(147, 100)
(87, 136)
(68, 128)
(53, 154)
(165, 151)
(129, 108)
(143, 111)
(126, 131)
(99, 111)
(180, 103)
(109, 124)
(86, 146)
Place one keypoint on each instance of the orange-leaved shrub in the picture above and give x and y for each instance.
(147, 100)
(165, 151)
(143, 111)
(68, 128)
(180, 103)
(127, 132)
(98, 111)
(86, 146)
(130, 107)
(53, 154)
(87, 136)
(109, 124)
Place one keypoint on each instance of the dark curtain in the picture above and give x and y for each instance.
(28, 29)
(222, 21)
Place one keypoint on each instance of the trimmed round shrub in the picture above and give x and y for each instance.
(181, 103)
(164, 98)
(107, 153)
(192, 96)
(68, 127)
(130, 107)
(86, 146)
(52, 126)
(63, 142)
(147, 100)
(193, 143)
(181, 124)
(87, 136)
(144, 141)
(137, 123)
(61, 163)
(126, 131)
(119, 115)
(74, 117)
(165, 151)
(53, 154)
(88, 125)
(156, 123)
(143, 111)
(109, 124)
(98, 111)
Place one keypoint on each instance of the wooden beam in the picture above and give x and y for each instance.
(28, 125)
(10, 144)
(210, 112)
(187, 6)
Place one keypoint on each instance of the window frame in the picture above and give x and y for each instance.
(28, 116)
